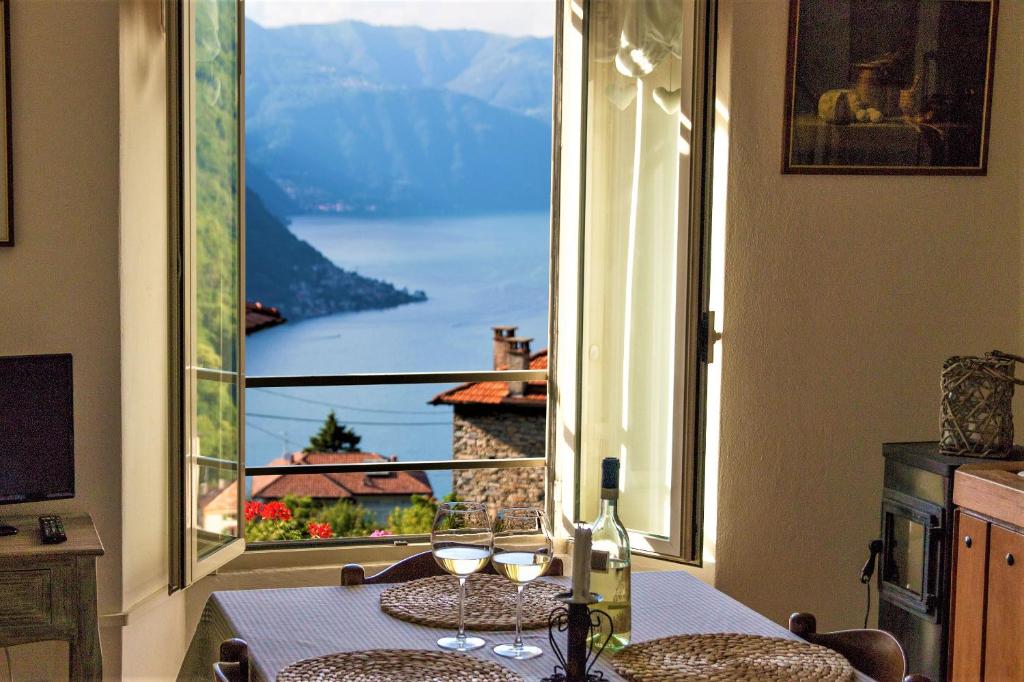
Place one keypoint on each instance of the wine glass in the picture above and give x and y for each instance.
(522, 552)
(461, 541)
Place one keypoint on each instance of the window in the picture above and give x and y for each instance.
(634, 211)
(211, 280)
(367, 257)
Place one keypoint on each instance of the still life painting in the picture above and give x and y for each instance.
(889, 86)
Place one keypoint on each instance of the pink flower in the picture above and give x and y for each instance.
(380, 533)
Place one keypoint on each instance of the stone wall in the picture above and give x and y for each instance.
(498, 433)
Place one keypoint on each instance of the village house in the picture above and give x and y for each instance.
(378, 491)
(497, 420)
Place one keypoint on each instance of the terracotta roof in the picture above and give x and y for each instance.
(259, 316)
(338, 486)
(496, 392)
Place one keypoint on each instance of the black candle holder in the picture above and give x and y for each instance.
(582, 624)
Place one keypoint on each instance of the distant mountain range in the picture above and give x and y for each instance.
(286, 272)
(361, 119)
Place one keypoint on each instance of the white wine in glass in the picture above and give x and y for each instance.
(522, 552)
(461, 541)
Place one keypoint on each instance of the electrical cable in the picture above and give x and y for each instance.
(867, 612)
(339, 406)
(346, 422)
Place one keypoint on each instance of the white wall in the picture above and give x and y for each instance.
(59, 284)
(843, 295)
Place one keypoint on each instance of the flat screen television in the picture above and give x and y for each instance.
(37, 438)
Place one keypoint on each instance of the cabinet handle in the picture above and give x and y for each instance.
(968, 541)
(1010, 560)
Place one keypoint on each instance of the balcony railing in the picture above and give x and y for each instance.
(385, 379)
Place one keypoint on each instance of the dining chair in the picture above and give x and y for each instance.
(233, 665)
(420, 565)
(875, 653)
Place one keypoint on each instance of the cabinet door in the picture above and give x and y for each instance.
(1004, 623)
(969, 597)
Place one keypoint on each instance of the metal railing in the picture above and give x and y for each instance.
(381, 379)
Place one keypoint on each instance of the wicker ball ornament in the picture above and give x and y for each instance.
(730, 658)
(976, 411)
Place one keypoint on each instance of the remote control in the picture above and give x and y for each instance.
(52, 530)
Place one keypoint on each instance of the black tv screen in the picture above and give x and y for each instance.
(37, 439)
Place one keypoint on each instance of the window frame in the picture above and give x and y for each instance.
(693, 324)
(186, 566)
(562, 456)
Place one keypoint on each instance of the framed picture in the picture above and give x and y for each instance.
(6, 184)
(894, 87)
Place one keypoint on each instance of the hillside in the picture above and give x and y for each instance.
(285, 272)
(353, 118)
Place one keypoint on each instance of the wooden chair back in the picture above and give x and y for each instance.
(420, 565)
(875, 653)
(233, 665)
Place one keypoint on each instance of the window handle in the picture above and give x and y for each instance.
(710, 336)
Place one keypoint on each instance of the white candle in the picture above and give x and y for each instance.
(581, 564)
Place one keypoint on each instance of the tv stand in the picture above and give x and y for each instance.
(48, 592)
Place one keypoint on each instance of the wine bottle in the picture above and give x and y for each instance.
(610, 565)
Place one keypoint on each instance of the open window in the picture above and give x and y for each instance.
(616, 306)
(633, 231)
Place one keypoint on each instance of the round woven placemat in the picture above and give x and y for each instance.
(731, 657)
(490, 602)
(386, 665)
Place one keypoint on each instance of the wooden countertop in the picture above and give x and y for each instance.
(82, 537)
(992, 489)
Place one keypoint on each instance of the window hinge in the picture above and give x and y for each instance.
(708, 336)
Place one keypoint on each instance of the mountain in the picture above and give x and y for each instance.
(283, 271)
(354, 118)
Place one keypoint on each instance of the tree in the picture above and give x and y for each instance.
(334, 437)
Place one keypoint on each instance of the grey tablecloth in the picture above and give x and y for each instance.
(287, 625)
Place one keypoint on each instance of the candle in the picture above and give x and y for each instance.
(581, 564)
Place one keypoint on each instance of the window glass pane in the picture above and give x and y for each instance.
(398, 179)
(905, 564)
(215, 271)
(636, 140)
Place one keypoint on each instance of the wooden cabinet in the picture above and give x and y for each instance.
(988, 579)
(970, 577)
(48, 592)
(1004, 614)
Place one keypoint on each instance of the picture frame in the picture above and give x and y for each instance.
(6, 163)
(889, 87)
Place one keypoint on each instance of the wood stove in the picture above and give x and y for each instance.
(916, 554)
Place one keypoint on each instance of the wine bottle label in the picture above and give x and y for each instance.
(599, 561)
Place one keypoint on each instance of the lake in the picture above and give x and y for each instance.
(477, 271)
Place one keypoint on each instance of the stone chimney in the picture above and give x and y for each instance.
(518, 358)
(502, 334)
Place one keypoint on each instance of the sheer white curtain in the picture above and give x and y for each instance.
(639, 73)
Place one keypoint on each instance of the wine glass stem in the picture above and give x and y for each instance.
(462, 608)
(518, 643)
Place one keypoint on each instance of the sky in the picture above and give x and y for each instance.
(512, 17)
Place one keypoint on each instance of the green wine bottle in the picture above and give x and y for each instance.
(610, 566)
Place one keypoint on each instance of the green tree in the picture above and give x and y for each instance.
(418, 517)
(334, 437)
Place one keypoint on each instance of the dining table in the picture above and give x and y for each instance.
(282, 626)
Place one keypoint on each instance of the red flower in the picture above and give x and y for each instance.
(275, 511)
(319, 530)
(252, 510)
